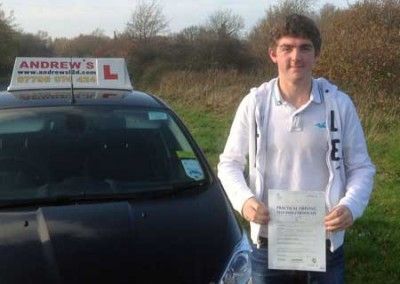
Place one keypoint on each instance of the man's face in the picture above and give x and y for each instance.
(295, 58)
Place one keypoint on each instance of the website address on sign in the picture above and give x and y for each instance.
(53, 72)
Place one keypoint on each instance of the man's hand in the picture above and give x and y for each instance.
(338, 219)
(255, 211)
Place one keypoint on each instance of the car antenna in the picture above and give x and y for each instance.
(73, 101)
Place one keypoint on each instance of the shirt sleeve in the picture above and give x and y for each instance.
(233, 160)
(359, 169)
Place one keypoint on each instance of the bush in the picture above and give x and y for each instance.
(361, 47)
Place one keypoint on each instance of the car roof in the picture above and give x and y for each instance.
(41, 98)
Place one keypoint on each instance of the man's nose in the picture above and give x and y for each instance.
(296, 54)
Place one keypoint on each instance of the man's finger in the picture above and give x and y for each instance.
(338, 219)
(333, 222)
(262, 219)
(262, 210)
(255, 211)
(336, 213)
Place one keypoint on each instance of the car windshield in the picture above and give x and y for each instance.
(50, 152)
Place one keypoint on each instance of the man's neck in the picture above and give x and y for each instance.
(296, 94)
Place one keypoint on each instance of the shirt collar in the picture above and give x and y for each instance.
(277, 94)
(315, 95)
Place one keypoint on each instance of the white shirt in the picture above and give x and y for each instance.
(296, 146)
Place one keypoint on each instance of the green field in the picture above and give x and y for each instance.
(373, 244)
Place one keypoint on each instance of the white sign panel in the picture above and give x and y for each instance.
(296, 231)
(32, 73)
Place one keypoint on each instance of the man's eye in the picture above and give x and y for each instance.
(286, 48)
(306, 48)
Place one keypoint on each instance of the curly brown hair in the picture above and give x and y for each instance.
(298, 26)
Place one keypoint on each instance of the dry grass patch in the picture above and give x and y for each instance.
(213, 90)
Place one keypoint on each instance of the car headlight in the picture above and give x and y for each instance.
(238, 270)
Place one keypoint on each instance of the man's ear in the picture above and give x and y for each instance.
(272, 54)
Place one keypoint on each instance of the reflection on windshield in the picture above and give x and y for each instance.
(68, 151)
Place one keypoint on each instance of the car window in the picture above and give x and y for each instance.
(15, 123)
(75, 150)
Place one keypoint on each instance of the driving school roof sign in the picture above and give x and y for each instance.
(32, 73)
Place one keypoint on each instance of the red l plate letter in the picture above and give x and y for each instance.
(107, 73)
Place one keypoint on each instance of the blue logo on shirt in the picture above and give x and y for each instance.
(321, 125)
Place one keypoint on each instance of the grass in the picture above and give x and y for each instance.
(208, 129)
(373, 250)
(207, 102)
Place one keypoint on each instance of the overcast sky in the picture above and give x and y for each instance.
(69, 18)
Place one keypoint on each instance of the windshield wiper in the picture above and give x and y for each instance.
(64, 199)
(130, 191)
(189, 184)
(10, 203)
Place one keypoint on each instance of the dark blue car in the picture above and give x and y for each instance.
(99, 185)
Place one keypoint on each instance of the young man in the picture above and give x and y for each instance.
(298, 133)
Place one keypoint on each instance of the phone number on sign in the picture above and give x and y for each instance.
(56, 79)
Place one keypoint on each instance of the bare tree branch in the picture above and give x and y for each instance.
(147, 21)
(225, 23)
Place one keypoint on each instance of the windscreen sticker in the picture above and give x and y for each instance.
(192, 169)
(185, 155)
(157, 115)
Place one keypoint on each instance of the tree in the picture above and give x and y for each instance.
(361, 47)
(224, 23)
(91, 45)
(99, 33)
(9, 20)
(147, 21)
(8, 43)
(34, 45)
(191, 34)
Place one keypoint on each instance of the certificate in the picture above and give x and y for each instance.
(296, 231)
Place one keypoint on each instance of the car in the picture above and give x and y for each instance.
(103, 183)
